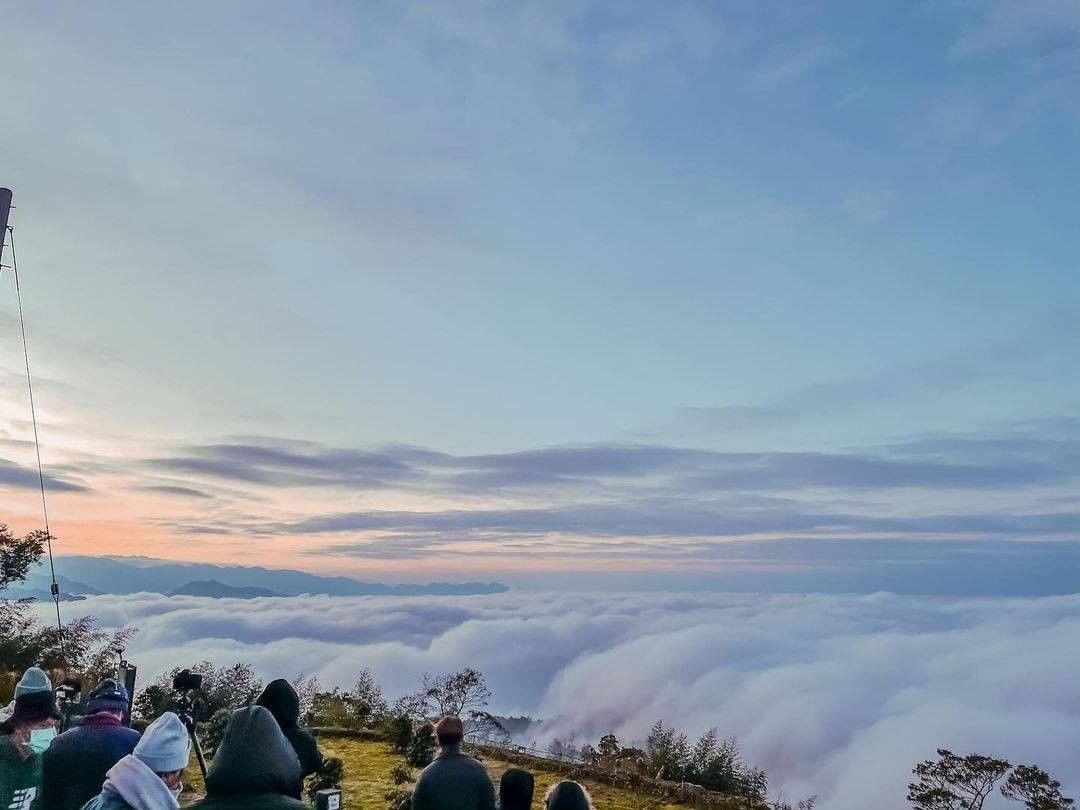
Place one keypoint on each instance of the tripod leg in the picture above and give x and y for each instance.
(198, 748)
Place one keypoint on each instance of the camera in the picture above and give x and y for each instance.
(187, 681)
(68, 691)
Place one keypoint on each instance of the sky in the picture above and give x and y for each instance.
(563, 293)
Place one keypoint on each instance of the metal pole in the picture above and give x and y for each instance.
(5, 209)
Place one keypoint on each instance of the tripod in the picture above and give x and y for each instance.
(186, 714)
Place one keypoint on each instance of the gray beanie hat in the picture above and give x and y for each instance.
(33, 680)
(164, 745)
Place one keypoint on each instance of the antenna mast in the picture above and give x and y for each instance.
(5, 229)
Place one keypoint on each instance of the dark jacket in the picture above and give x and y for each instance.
(283, 702)
(254, 768)
(20, 776)
(74, 766)
(454, 781)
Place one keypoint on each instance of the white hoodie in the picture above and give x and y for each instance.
(139, 786)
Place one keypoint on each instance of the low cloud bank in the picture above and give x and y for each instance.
(834, 695)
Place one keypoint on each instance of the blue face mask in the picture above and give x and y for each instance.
(40, 739)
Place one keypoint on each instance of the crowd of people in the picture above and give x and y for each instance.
(260, 763)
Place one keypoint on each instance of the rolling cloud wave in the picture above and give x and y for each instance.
(835, 695)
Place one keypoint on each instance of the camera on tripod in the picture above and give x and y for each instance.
(186, 683)
(68, 695)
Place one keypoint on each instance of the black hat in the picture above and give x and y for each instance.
(108, 696)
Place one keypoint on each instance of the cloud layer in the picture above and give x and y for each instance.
(835, 695)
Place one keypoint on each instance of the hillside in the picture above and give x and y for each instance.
(367, 778)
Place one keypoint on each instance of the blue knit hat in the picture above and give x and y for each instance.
(164, 745)
(108, 696)
(33, 680)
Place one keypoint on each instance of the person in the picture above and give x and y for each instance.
(75, 765)
(151, 776)
(516, 790)
(255, 767)
(567, 795)
(281, 700)
(26, 734)
(454, 780)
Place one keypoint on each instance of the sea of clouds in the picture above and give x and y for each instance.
(831, 694)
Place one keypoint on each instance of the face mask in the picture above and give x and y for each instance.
(176, 791)
(40, 739)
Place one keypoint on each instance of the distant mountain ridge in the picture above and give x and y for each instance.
(93, 575)
(219, 590)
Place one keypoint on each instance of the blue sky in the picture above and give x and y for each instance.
(484, 229)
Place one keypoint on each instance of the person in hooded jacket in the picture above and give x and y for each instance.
(75, 765)
(149, 778)
(567, 795)
(454, 780)
(254, 768)
(281, 700)
(25, 736)
(516, 789)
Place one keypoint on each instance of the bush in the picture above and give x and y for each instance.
(333, 710)
(421, 749)
(212, 732)
(328, 777)
(398, 798)
(399, 732)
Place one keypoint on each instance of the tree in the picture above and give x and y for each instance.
(231, 687)
(306, 690)
(1034, 787)
(483, 726)
(19, 554)
(717, 764)
(78, 648)
(371, 706)
(556, 749)
(453, 694)
(953, 782)
(666, 752)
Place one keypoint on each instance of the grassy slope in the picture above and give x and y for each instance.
(367, 778)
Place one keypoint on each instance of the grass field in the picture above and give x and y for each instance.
(368, 765)
(367, 778)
